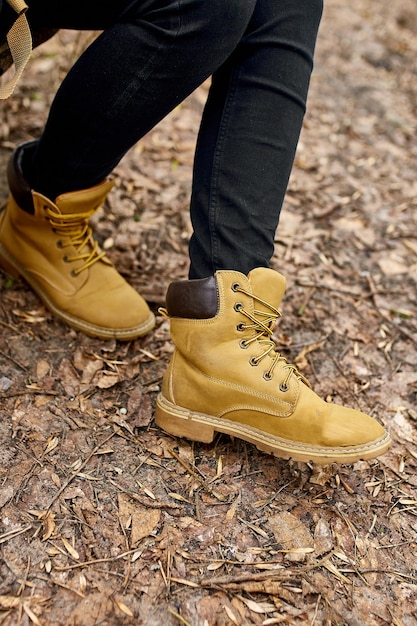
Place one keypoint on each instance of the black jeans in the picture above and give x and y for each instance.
(149, 57)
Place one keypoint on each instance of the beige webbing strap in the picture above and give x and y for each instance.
(19, 39)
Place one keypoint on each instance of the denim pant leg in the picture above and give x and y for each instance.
(149, 57)
(248, 137)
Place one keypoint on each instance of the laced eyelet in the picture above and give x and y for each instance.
(267, 376)
(283, 387)
(243, 344)
(238, 307)
(65, 258)
(253, 361)
(74, 273)
(240, 327)
(235, 286)
(59, 244)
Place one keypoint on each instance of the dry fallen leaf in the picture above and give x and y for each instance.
(8, 602)
(292, 535)
(258, 607)
(49, 525)
(51, 445)
(231, 615)
(72, 551)
(122, 606)
(42, 369)
(31, 614)
(105, 379)
(30, 317)
(143, 520)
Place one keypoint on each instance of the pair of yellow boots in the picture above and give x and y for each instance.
(225, 374)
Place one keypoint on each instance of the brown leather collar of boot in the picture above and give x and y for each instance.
(193, 299)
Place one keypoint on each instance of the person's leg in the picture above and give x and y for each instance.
(226, 374)
(151, 55)
(248, 138)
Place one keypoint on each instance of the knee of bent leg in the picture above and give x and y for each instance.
(207, 25)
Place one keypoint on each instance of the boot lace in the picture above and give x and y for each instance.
(264, 322)
(74, 231)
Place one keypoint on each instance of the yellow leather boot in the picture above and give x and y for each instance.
(50, 244)
(226, 375)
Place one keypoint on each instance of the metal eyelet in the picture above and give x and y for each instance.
(240, 327)
(65, 258)
(253, 361)
(235, 286)
(74, 273)
(267, 376)
(59, 244)
(243, 344)
(283, 387)
(238, 306)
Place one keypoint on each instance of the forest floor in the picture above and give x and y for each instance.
(104, 519)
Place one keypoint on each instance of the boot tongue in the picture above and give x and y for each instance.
(84, 201)
(268, 285)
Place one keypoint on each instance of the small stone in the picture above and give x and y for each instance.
(5, 383)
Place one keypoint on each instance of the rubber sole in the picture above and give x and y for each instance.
(12, 267)
(182, 422)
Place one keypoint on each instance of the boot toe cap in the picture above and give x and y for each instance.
(119, 313)
(346, 427)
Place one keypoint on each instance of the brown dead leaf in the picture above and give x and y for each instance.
(231, 615)
(70, 549)
(232, 510)
(323, 541)
(33, 618)
(321, 474)
(6, 493)
(68, 377)
(212, 567)
(48, 525)
(91, 367)
(30, 317)
(142, 519)
(392, 265)
(139, 408)
(8, 602)
(258, 607)
(51, 445)
(144, 523)
(291, 534)
(122, 606)
(42, 369)
(333, 570)
(105, 379)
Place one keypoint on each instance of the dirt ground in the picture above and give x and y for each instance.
(104, 519)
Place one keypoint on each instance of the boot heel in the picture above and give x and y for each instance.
(181, 424)
(7, 266)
